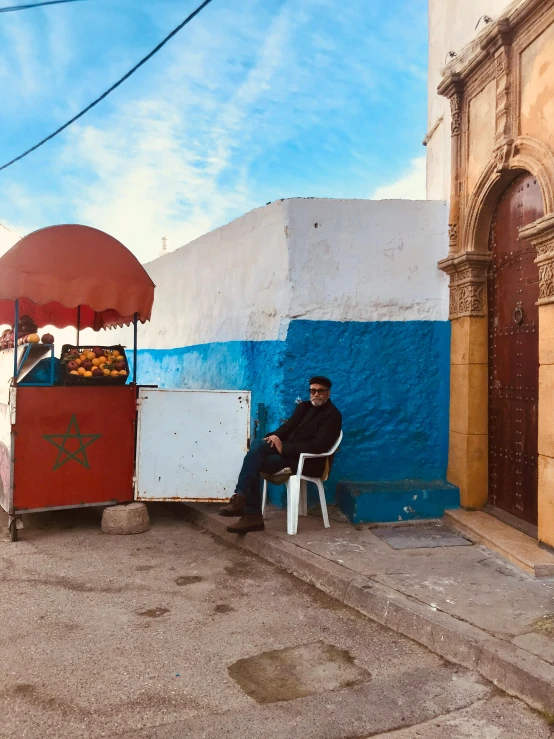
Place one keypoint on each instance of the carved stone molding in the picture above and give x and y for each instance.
(503, 88)
(468, 283)
(540, 234)
(502, 155)
(456, 114)
(452, 238)
(524, 154)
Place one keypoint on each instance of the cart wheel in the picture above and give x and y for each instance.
(12, 527)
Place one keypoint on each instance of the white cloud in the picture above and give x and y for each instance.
(409, 186)
(169, 164)
(7, 239)
(222, 120)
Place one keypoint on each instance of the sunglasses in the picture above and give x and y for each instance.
(319, 391)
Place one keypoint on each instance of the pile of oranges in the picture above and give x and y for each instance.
(96, 362)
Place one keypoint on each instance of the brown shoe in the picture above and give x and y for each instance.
(235, 507)
(250, 522)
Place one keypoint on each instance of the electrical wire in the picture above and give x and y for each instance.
(113, 87)
(36, 5)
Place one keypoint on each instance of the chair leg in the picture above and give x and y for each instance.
(323, 504)
(303, 507)
(293, 499)
(264, 496)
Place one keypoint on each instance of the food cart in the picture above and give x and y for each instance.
(67, 438)
(72, 438)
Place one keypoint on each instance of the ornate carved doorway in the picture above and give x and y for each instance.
(513, 291)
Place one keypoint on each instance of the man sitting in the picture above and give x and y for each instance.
(313, 428)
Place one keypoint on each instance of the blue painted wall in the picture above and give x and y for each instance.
(390, 381)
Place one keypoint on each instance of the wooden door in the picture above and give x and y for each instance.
(513, 291)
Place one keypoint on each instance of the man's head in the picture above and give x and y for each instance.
(320, 390)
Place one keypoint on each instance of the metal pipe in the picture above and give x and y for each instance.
(15, 340)
(135, 334)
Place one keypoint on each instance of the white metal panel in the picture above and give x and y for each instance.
(7, 418)
(190, 443)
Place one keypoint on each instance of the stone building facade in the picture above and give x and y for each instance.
(500, 261)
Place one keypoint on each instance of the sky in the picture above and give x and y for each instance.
(253, 101)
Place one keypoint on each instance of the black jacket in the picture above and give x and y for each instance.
(313, 430)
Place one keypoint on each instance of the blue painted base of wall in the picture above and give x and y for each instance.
(403, 500)
(390, 381)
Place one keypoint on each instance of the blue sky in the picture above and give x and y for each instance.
(255, 100)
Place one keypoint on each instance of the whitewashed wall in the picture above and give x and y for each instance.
(365, 261)
(228, 285)
(451, 27)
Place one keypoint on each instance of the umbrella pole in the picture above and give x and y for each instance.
(78, 323)
(135, 334)
(15, 340)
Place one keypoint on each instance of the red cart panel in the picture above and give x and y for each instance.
(73, 446)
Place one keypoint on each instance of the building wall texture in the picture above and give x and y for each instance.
(498, 122)
(451, 28)
(349, 289)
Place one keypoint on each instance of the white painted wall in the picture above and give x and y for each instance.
(230, 284)
(365, 261)
(451, 28)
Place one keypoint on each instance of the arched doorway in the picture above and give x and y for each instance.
(513, 291)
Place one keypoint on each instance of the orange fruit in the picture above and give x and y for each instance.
(78, 361)
(96, 362)
(88, 373)
(91, 355)
(82, 356)
(123, 372)
(107, 372)
(73, 372)
(81, 371)
(102, 360)
(116, 353)
(114, 373)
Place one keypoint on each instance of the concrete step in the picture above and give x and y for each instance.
(401, 500)
(515, 546)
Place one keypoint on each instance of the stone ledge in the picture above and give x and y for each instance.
(509, 667)
(401, 500)
(518, 548)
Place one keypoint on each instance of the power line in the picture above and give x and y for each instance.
(113, 87)
(36, 5)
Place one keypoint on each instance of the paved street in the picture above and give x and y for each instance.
(173, 633)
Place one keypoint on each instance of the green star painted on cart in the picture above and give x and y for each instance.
(68, 449)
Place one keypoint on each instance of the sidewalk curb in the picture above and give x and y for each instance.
(510, 668)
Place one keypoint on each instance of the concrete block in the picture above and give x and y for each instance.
(131, 518)
(402, 500)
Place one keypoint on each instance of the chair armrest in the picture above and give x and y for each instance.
(305, 456)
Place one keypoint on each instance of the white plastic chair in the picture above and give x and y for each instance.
(297, 490)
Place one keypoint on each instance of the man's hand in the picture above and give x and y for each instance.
(275, 442)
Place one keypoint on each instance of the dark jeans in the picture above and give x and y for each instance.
(261, 457)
